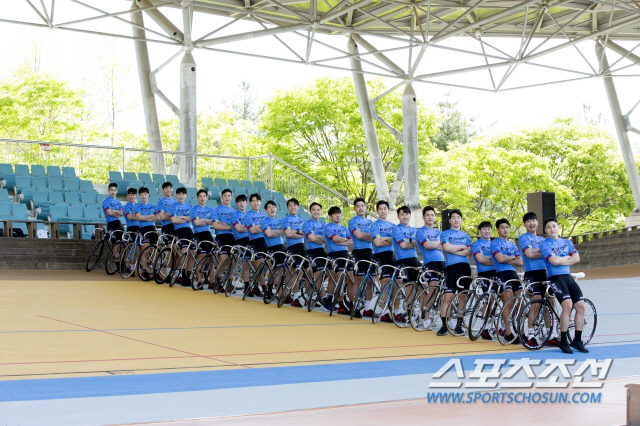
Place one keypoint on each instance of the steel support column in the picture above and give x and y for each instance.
(368, 126)
(410, 144)
(621, 129)
(148, 99)
(188, 119)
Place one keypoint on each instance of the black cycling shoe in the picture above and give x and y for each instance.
(579, 346)
(565, 347)
(458, 330)
(443, 330)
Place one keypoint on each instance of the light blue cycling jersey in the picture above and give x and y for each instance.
(223, 214)
(130, 208)
(456, 238)
(239, 218)
(402, 233)
(482, 246)
(559, 247)
(271, 224)
(423, 235)
(254, 218)
(331, 230)
(314, 227)
(113, 204)
(181, 209)
(145, 209)
(164, 206)
(294, 223)
(506, 248)
(361, 224)
(382, 228)
(199, 212)
(526, 242)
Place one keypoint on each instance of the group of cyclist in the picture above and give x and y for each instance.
(445, 255)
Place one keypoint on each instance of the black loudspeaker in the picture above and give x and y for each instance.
(543, 204)
(445, 220)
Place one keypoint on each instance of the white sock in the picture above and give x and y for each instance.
(367, 305)
(531, 333)
(397, 311)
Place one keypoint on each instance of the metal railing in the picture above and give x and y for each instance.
(583, 238)
(93, 162)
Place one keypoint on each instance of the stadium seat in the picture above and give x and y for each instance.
(246, 184)
(72, 184)
(278, 197)
(282, 207)
(69, 172)
(207, 183)
(174, 180)
(153, 199)
(259, 185)
(100, 198)
(265, 194)
(22, 170)
(280, 215)
(134, 184)
(144, 177)
(19, 212)
(45, 206)
(39, 182)
(158, 178)
(39, 196)
(115, 176)
(4, 195)
(6, 170)
(238, 191)
(37, 170)
(76, 214)
(322, 220)
(5, 210)
(130, 176)
(192, 192)
(305, 216)
(214, 193)
(54, 171)
(55, 184)
(233, 206)
(211, 203)
(71, 197)
(220, 182)
(88, 197)
(21, 182)
(86, 186)
(234, 183)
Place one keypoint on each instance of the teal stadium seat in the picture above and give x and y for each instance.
(158, 178)
(71, 197)
(279, 197)
(69, 172)
(45, 206)
(246, 184)
(37, 170)
(214, 193)
(19, 212)
(220, 182)
(72, 184)
(211, 203)
(38, 197)
(280, 215)
(21, 182)
(207, 183)
(266, 195)
(192, 192)
(88, 197)
(115, 176)
(22, 170)
(86, 186)
(54, 171)
(4, 195)
(144, 177)
(100, 198)
(130, 176)
(322, 220)
(55, 184)
(234, 183)
(6, 170)
(153, 199)
(257, 184)
(304, 215)
(174, 181)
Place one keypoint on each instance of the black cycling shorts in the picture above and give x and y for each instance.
(564, 287)
(278, 259)
(204, 236)
(259, 245)
(411, 274)
(150, 238)
(317, 252)
(168, 229)
(454, 273)
(244, 242)
(225, 241)
(185, 233)
(385, 258)
(115, 225)
(503, 276)
(491, 275)
(536, 276)
(438, 266)
(340, 262)
(362, 254)
(298, 249)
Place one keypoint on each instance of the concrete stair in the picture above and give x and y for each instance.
(28, 253)
(613, 250)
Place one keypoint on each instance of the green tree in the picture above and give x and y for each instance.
(318, 128)
(453, 126)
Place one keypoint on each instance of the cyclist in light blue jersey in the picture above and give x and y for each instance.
(241, 232)
(256, 237)
(223, 224)
(359, 226)
(201, 221)
(133, 224)
(404, 246)
(481, 252)
(314, 236)
(113, 211)
(382, 236)
(147, 216)
(432, 258)
(338, 241)
(292, 226)
(163, 209)
(272, 229)
(535, 271)
(457, 246)
(181, 218)
(559, 254)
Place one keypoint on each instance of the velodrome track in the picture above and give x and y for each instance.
(80, 348)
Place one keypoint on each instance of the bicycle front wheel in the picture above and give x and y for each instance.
(507, 319)
(149, 254)
(129, 260)
(535, 322)
(315, 291)
(161, 270)
(459, 312)
(94, 256)
(419, 310)
(404, 300)
(178, 268)
(590, 322)
(111, 264)
(272, 285)
(380, 303)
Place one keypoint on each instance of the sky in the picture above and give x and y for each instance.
(80, 59)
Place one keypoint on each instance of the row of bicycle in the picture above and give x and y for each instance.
(328, 284)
